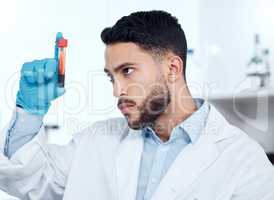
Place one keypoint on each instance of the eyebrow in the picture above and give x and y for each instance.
(119, 67)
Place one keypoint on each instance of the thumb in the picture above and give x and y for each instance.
(59, 36)
(59, 91)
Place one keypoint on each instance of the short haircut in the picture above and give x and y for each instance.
(157, 32)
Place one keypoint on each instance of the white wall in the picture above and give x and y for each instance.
(227, 31)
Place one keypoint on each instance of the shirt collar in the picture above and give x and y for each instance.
(195, 123)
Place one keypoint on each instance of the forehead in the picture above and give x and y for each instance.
(125, 52)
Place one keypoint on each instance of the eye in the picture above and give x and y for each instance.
(127, 70)
(110, 78)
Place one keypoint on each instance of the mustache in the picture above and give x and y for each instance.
(126, 101)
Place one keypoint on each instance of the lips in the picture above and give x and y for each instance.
(125, 107)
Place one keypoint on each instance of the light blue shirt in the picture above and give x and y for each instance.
(158, 156)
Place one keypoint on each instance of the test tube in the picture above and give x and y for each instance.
(62, 45)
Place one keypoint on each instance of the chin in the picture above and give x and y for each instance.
(133, 123)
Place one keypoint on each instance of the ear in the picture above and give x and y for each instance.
(175, 66)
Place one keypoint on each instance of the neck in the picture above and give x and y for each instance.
(181, 107)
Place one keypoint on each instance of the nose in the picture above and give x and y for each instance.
(118, 89)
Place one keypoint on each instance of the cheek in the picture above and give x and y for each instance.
(136, 91)
(139, 87)
(143, 82)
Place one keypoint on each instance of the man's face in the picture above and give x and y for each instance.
(138, 82)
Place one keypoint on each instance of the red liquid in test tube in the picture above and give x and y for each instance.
(62, 45)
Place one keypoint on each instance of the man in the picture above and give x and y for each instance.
(168, 145)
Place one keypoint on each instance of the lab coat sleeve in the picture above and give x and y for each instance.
(38, 170)
(25, 127)
(257, 176)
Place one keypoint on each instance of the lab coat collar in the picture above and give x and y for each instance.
(194, 159)
(188, 165)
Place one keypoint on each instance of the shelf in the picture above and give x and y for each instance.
(262, 93)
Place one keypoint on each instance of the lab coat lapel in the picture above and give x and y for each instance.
(127, 164)
(185, 169)
(193, 160)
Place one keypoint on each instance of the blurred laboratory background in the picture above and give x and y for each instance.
(231, 58)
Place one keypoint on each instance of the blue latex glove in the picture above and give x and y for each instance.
(38, 84)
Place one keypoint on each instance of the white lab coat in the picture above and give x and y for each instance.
(102, 163)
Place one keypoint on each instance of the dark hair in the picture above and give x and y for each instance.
(155, 31)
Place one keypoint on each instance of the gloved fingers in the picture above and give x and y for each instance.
(28, 72)
(59, 36)
(45, 93)
(50, 91)
(53, 91)
(42, 95)
(39, 69)
(50, 68)
(60, 91)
